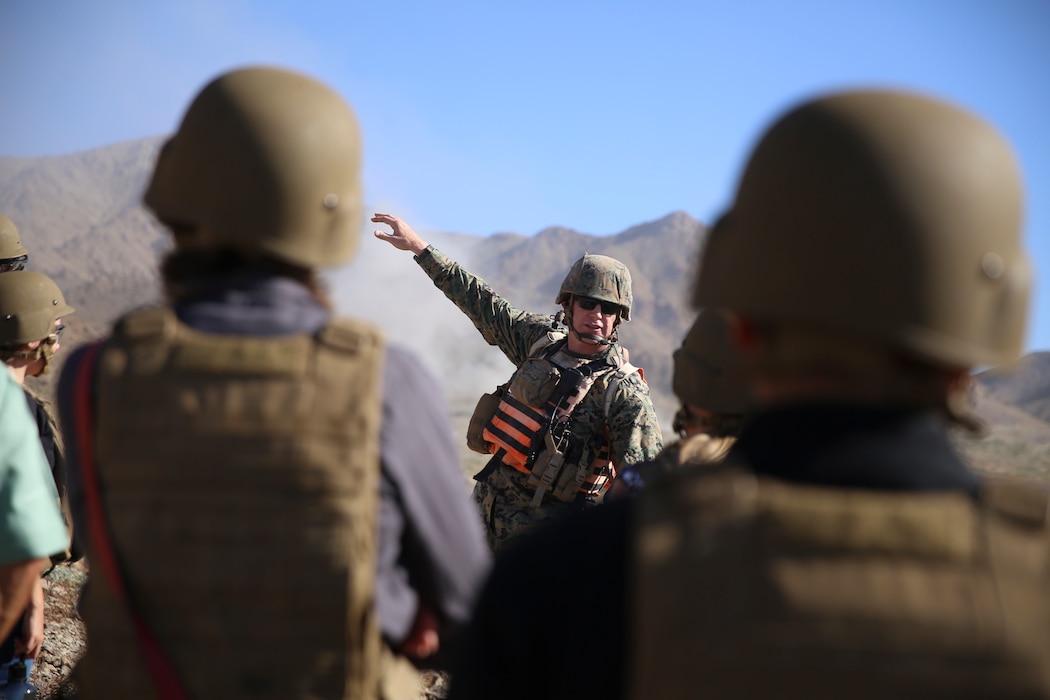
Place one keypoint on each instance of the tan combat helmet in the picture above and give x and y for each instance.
(265, 160)
(13, 255)
(885, 215)
(30, 303)
(599, 277)
(707, 368)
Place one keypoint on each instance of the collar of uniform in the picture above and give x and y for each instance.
(607, 354)
(853, 446)
(253, 304)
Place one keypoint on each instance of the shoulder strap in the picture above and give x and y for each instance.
(169, 685)
(549, 342)
(625, 370)
(545, 341)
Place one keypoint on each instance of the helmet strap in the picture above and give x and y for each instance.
(45, 351)
(47, 354)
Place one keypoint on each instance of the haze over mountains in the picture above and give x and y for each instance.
(81, 219)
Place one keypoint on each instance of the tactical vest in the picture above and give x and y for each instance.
(51, 438)
(531, 427)
(240, 477)
(747, 587)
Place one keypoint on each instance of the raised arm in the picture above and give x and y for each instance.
(512, 330)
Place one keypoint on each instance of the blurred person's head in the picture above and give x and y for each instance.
(873, 253)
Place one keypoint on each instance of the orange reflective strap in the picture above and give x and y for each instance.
(602, 471)
(513, 429)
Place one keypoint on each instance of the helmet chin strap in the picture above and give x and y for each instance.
(592, 338)
(45, 351)
(47, 354)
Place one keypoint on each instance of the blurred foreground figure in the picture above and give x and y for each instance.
(270, 493)
(31, 311)
(707, 380)
(871, 258)
(31, 527)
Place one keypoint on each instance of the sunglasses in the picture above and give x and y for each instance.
(608, 308)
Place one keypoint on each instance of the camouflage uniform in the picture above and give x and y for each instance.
(633, 428)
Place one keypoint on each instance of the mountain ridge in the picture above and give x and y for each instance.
(81, 218)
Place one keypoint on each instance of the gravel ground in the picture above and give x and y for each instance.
(63, 632)
(64, 640)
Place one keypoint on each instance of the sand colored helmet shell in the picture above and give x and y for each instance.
(30, 303)
(265, 160)
(10, 242)
(886, 215)
(707, 369)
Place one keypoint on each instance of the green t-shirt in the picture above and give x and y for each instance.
(31, 524)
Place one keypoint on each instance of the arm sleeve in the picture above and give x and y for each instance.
(31, 525)
(512, 330)
(634, 431)
(431, 543)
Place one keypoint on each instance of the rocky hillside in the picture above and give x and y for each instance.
(81, 219)
(1015, 404)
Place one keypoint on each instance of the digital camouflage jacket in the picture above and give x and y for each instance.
(633, 429)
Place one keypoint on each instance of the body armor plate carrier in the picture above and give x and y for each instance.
(240, 476)
(527, 423)
(749, 587)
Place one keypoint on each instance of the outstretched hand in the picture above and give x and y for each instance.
(403, 237)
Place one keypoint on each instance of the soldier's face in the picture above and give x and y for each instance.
(592, 324)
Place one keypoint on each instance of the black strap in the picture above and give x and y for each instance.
(491, 466)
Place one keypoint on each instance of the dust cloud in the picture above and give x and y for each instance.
(386, 286)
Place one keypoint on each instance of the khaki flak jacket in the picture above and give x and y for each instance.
(747, 587)
(240, 480)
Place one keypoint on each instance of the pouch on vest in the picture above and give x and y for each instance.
(535, 381)
(567, 488)
(549, 470)
(556, 468)
(483, 413)
(547, 465)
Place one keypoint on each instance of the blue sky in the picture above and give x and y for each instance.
(493, 116)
